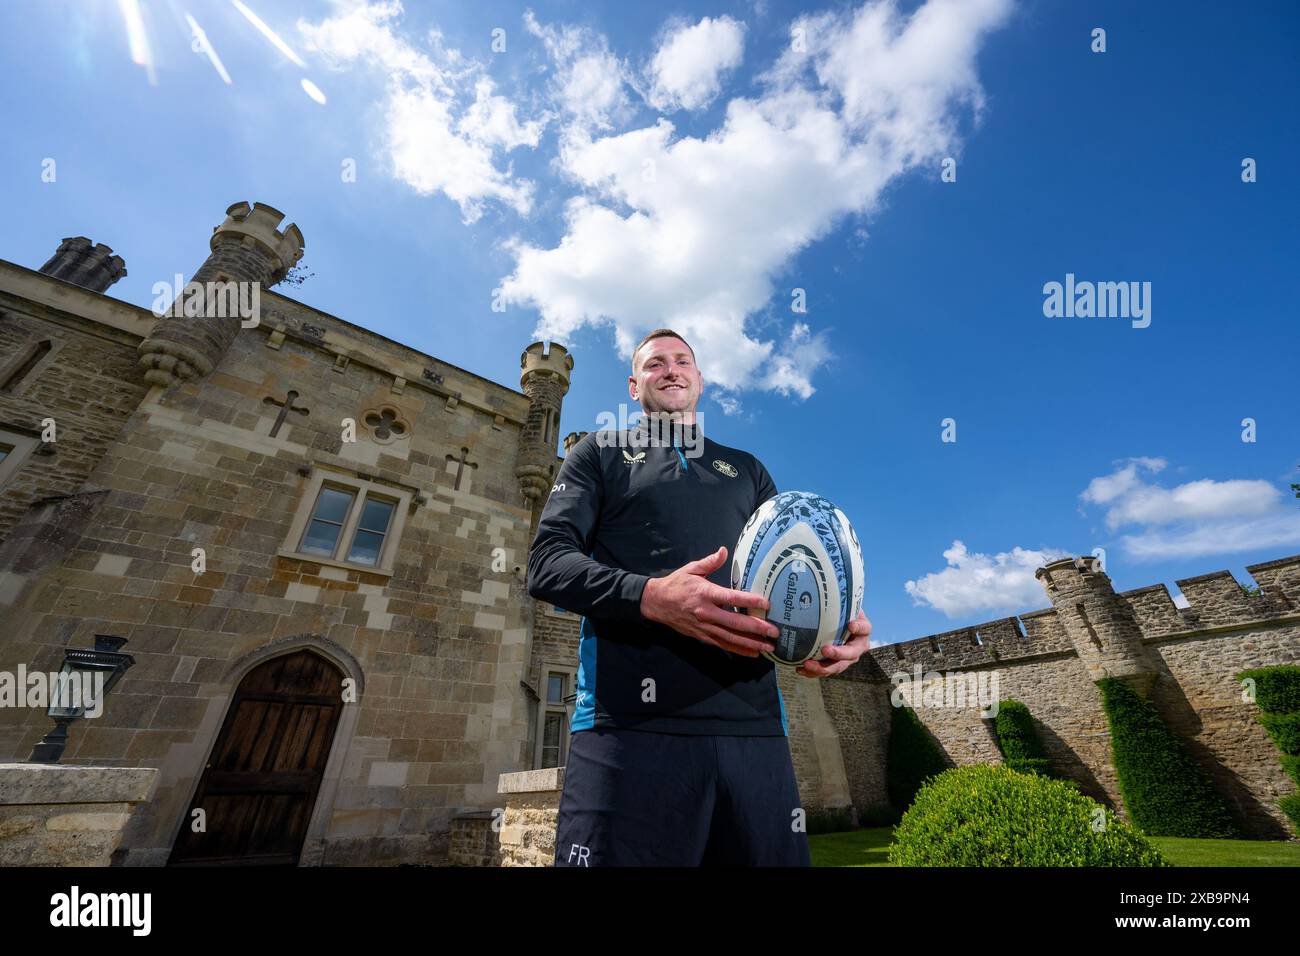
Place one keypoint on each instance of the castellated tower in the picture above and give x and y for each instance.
(91, 266)
(572, 439)
(247, 247)
(545, 380)
(1099, 623)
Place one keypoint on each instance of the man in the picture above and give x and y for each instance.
(679, 754)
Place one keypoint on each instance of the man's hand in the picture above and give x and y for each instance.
(691, 604)
(839, 657)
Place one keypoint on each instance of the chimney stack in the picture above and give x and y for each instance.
(91, 266)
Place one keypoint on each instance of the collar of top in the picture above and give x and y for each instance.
(657, 429)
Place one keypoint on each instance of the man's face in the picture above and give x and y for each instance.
(665, 377)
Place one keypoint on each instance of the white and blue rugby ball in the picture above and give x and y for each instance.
(800, 552)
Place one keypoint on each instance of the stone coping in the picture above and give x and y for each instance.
(38, 783)
(532, 781)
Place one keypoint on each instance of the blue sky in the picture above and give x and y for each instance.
(623, 165)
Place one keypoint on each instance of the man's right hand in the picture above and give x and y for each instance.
(691, 604)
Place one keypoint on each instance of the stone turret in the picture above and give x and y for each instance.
(1099, 623)
(572, 439)
(89, 265)
(249, 247)
(545, 380)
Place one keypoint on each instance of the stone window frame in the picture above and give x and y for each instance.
(9, 368)
(361, 487)
(555, 611)
(21, 447)
(544, 709)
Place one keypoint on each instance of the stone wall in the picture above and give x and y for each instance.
(532, 807)
(85, 382)
(56, 815)
(437, 646)
(475, 839)
(1187, 659)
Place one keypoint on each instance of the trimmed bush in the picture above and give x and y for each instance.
(1165, 791)
(913, 757)
(1018, 740)
(1277, 692)
(994, 816)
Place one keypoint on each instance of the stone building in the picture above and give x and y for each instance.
(313, 540)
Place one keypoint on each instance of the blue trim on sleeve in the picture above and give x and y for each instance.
(584, 712)
(785, 728)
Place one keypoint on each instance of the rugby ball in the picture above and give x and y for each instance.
(800, 552)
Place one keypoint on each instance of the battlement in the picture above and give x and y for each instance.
(572, 439)
(91, 265)
(1214, 600)
(538, 360)
(259, 224)
(1084, 573)
(1031, 634)
(1217, 599)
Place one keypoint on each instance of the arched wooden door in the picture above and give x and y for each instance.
(260, 784)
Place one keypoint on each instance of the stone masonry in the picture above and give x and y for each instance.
(177, 434)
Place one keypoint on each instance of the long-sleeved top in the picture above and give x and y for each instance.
(622, 511)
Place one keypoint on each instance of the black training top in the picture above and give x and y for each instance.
(623, 510)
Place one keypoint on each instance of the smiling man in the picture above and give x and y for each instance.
(680, 753)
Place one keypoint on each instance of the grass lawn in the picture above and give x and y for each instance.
(864, 847)
(868, 847)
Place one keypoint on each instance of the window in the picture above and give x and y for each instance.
(23, 369)
(348, 521)
(14, 449)
(553, 722)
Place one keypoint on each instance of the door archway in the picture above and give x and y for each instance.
(261, 781)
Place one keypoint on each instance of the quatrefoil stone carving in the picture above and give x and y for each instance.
(386, 424)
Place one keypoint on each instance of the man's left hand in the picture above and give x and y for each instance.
(839, 657)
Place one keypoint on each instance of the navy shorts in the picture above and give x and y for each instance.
(634, 798)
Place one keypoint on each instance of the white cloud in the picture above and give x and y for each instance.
(589, 81)
(980, 582)
(433, 139)
(1194, 519)
(686, 71)
(692, 232)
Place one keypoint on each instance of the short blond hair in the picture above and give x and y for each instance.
(659, 334)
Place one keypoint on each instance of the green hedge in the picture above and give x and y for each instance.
(982, 815)
(1018, 740)
(1277, 689)
(1277, 692)
(1284, 729)
(1291, 807)
(913, 757)
(1292, 767)
(1165, 791)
